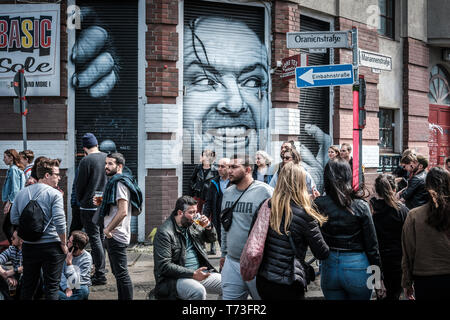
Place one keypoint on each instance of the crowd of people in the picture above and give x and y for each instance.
(49, 262)
(400, 230)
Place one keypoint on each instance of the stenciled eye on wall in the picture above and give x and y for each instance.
(439, 88)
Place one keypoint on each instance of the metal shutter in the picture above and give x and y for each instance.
(254, 18)
(314, 102)
(115, 116)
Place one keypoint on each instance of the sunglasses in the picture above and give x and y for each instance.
(287, 158)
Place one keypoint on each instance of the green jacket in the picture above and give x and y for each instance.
(169, 252)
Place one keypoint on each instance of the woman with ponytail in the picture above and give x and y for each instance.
(351, 236)
(426, 242)
(14, 182)
(389, 216)
(280, 276)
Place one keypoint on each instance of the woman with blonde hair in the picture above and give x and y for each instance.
(262, 165)
(294, 225)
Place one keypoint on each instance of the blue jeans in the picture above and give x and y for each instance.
(117, 253)
(343, 276)
(77, 294)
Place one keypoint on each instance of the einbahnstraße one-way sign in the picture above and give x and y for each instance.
(324, 76)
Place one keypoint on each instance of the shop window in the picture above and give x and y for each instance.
(387, 18)
(387, 128)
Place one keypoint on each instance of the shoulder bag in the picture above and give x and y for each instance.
(226, 216)
(253, 251)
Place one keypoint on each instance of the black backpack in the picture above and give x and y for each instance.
(31, 221)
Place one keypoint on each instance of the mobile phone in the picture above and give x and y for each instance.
(208, 270)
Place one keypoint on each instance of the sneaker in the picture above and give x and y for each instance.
(99, 282)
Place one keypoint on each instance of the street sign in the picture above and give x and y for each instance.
(288, 65)
(317, 39)
(375, 60)
(324, 76)
(317, 50)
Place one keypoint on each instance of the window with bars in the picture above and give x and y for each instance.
(387, 15)
(387, 126)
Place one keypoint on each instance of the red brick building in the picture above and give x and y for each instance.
(167, 68)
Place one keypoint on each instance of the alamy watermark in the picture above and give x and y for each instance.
(374, 280)
(73, 17)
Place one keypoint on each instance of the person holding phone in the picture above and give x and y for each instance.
(76, 275)
(182, 268)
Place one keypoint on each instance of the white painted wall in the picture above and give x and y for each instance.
(48, 148)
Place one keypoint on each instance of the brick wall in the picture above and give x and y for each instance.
(285, 124)
(415, 91)
(161, 114)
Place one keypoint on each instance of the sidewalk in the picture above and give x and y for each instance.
(140, 267)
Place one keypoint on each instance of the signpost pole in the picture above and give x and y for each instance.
(23, 109)
(356, 131)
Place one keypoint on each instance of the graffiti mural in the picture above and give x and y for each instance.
(226, 81)
(105, 56)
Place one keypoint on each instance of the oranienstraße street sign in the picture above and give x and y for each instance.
(317, 39)
(324, 76)
(375, 60)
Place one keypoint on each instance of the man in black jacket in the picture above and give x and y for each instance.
(92, 178)
(414, 195)
(182, 269)
(213, 204)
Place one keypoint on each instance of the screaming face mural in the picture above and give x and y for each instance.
(226, 81)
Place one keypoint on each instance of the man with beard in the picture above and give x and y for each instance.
(246, 195)
(226, 81)
(182, 269)
(122, 195)
(415, 194)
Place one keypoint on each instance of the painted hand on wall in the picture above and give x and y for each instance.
(93, 55)
(316, 164)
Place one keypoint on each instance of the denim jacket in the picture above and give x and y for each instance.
(15, 181)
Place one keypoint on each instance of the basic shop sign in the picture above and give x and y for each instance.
(30, 40)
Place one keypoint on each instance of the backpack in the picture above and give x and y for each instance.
(31, 221)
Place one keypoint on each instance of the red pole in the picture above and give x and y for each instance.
(356, 133)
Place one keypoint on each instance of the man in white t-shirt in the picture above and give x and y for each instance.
(117, 225)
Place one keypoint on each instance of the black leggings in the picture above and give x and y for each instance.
(269, 290)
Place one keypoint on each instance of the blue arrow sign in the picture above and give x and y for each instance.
(324, 76)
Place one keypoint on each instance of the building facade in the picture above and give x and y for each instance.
(165, 79)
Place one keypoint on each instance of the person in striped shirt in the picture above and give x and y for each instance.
(11, 278)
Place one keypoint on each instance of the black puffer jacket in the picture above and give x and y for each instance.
(345, 230)
(389, 224)
(277, 264)
(169, 252)
(415, 194)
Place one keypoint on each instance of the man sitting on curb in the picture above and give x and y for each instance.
(182, 269)
(12, 278)
(76, 275)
